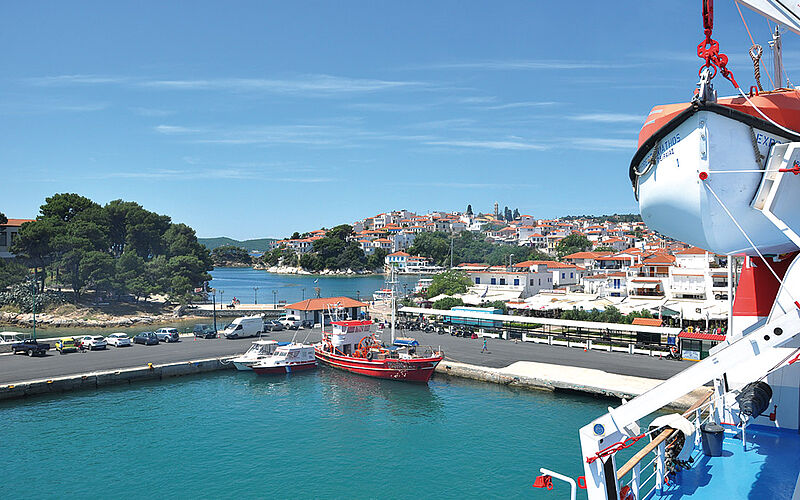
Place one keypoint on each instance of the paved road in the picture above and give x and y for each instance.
(501, 353)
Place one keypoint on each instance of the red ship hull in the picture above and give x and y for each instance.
(280, 370)
(408, 370)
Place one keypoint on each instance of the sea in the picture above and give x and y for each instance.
(317, 434)
(259, 286)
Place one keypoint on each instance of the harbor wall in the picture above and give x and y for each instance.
(96, 380)
(549, 377)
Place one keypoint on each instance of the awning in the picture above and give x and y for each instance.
(701, 336)
(648, 285)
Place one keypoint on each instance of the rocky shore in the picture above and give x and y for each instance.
(84, 319)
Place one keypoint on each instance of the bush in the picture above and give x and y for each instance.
(20, 296)
(448, 303)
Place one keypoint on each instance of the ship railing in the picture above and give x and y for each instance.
(658, 446)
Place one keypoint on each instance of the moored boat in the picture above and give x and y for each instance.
(350, 346)
(258, 350)
(287, 359)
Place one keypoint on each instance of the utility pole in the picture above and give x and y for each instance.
(255, 295)
(214, 307)
(34, 304)
(304, 294)
(451, 250)
(275, 299)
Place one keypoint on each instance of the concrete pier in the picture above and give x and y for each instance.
(544, 376)
(99, 379)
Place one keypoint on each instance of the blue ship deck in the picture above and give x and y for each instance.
(766, 469)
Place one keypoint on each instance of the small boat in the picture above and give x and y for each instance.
(351, 347)
(287, 359)
(383, 294)
(259, 350)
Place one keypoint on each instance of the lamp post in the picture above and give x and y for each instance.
(304, 294)
(33, 290)
(509, 259)
(275, 298)
(214, 307)
(255, 295)
(358, 295)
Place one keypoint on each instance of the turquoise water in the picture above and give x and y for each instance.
(321, 434)
(239, 282)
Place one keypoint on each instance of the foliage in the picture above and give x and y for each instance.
(610, 315)
(3, 218)
(448, 303)
(257, 245)
(119, 248)
(377, 258)
(11, 272)
(497, 304)
(469, 210)
(603, 248)
(469, 247)
(572, 244)
(606, 218)
(516, 214)
(230, 254)
(449, 283)
(21, 296)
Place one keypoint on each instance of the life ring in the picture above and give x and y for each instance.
(626, 493)
(673, 350)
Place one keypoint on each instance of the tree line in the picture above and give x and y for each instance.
(117, 249)
(469, 247)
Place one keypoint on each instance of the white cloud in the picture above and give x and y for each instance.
(609, 118)
(526, 104)
(502, 145)
(309, 84)
(540, 64)
(62, 80)
(598, 144)
(174, 130)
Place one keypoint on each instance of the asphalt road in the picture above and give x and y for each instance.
(17, 368)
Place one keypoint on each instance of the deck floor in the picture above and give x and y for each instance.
(766, 469)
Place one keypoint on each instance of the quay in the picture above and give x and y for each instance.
(532, 365)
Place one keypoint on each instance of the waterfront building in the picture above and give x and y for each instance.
(8, 233)
(315, 309)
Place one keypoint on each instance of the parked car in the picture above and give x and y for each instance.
(307, 323)
(66, 344)
(92, 342)
(30, 347)
(203, 331)
(246, 326)
(167, 334)
(119, 340)
(273, 325)
(291, 322)
(146, 338)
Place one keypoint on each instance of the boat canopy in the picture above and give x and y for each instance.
(407, 342)
(785, 13)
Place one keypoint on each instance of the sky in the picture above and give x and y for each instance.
(257, 119)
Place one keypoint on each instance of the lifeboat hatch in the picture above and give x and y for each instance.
(777, 194)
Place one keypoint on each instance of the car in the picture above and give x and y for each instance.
(119, 340)
(167, 334)
(273, 325)
(146, 338)
(307, 323)
(30, 347)
(291, 322)
(203, 331)
(92, 342)
(66, 344)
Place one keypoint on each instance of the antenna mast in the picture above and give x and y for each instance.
(777, 57)
(393, 301)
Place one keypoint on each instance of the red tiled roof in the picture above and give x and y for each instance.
(322, 303)
(647, 321)
(16, 222)
(692, 251)
(398, 254)
(701, 336)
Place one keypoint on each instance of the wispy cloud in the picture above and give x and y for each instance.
(151, 112)
(609, 118)
(524, 104)
(529, 65)
(220, 173)
(38, 106)
(174, 130)
(502, 145)
(65, 80)
(319, 84)
(600, 144)
(465, 185)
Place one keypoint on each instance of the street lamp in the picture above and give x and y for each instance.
(304, 294)
(358, 295)
(509, 259)
(255, 295)
(275, 298)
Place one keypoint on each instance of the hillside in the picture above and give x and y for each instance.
(259, 244)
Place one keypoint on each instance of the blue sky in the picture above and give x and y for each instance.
(251, 119)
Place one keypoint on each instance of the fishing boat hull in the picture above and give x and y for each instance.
(243, 366)
(407, 370)
(680, 142)
(283, 369)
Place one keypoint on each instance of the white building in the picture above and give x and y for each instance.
(8, 233)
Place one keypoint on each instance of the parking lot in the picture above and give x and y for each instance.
(16, 368)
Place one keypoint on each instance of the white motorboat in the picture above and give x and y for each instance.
(260, 349)
(287, 359)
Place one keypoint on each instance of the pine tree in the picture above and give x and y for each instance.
(469, 209)
(516, 214)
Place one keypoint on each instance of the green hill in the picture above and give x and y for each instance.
(259, 244)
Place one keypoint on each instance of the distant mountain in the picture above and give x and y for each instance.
(259, 245)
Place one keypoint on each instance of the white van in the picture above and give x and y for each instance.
(246, 326)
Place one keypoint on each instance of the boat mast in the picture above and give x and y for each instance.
(777, 57)
(393, 301)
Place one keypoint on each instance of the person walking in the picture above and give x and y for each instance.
(484, 346)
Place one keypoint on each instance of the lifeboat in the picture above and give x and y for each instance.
(703, 171)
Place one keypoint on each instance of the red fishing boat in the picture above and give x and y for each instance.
(350, 346)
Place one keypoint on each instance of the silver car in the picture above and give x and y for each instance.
(167, 334)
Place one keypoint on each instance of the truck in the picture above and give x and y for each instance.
(30, 347)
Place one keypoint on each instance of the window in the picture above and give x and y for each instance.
(616, 283)
(502, 281)
(516, 281)
(540, 282)
(477, 281)
(571, 275)
(563, 275)
(3, 239)
(494, 281)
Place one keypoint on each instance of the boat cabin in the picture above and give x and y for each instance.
(294, 353)
(263, 348)
(346, 335)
